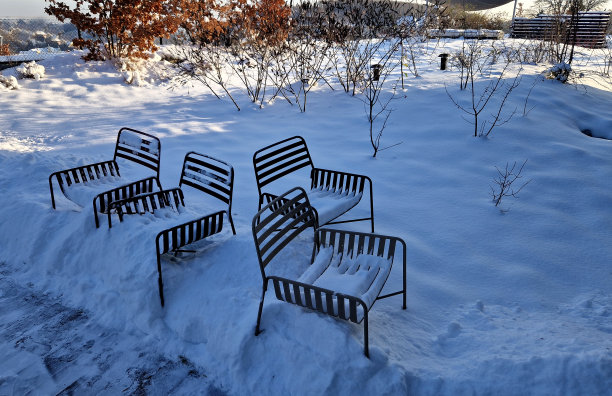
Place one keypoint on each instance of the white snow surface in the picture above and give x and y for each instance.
(31, 70)
(362, 276)
(514, 301)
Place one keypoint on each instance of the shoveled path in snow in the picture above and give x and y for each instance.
(51, 348)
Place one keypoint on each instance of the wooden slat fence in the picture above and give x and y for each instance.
(589, 28)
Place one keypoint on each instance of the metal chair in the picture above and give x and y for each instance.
(332, 193)
(132, 145)
(201, 172)
(348, 269)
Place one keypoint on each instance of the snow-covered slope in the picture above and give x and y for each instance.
(516, 302)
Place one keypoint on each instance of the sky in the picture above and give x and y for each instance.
(34, 8)
(23, 8)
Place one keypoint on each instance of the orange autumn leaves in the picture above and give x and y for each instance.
(129, 28)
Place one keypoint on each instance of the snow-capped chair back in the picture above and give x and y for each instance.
(348, 269)
(201, 172)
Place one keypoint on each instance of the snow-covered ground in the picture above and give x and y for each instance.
(514, 301)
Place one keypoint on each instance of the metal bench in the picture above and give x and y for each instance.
(332, 193)
(206, 174)
(348, 269)
(132, 145)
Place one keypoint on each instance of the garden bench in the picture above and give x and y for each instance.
(132, 145)
(332, 193)
(203, 173)
(588, 29)
(348, 269)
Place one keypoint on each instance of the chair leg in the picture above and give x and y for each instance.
(160, 282)
(366, 348)
(404, 280)
(229, 216)
(95, 209)
(51, 190)
(372, 210)
(259, 207)
(263, 295)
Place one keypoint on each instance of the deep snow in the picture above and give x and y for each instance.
(516, 301)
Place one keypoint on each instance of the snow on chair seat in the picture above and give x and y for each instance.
(348, 269)
(102, 180)
(203, 173)
(363, 276)
(332, 193)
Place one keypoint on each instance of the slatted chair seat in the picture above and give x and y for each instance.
(330, 204)
(362, 277)
(201, 173)
(348, 269)
(103, 182)
(331, 193)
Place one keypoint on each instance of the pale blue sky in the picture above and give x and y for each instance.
(23, 8)
(34, 8)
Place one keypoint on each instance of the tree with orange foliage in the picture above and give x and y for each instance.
(207, 21)
(119, 28)
(259, 31)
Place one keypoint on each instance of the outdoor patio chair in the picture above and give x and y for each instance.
(213, 177)
(132, 145)
(332, 193)
(348, 269)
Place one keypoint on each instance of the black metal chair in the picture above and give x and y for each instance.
(200, 172)
(343, 190)
(132, 145)
(348, 269)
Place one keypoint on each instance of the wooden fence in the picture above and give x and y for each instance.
(588, 28)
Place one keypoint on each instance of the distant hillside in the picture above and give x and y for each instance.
(477, 5)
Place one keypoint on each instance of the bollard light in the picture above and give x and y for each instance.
(376, 71)
(443, 59)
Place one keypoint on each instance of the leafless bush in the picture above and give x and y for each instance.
(302, 62)
(375, 105)
(462, 17)
(526, 51)
(357, 29)
(504, 183)
(411, 29)
(206, 64)
(476, 65)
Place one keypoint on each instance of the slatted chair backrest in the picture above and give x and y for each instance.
(279, 222)
(280, 159)
(355, 243)
(139, 147)
(209, 175)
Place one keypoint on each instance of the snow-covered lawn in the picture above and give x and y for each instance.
(512, 301)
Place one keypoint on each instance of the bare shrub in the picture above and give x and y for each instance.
(358, 29)
(206, 64)
(302, 62)
(411, 29)
(478, 66)
(376, 105)
(504, 182)
(259, 31)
